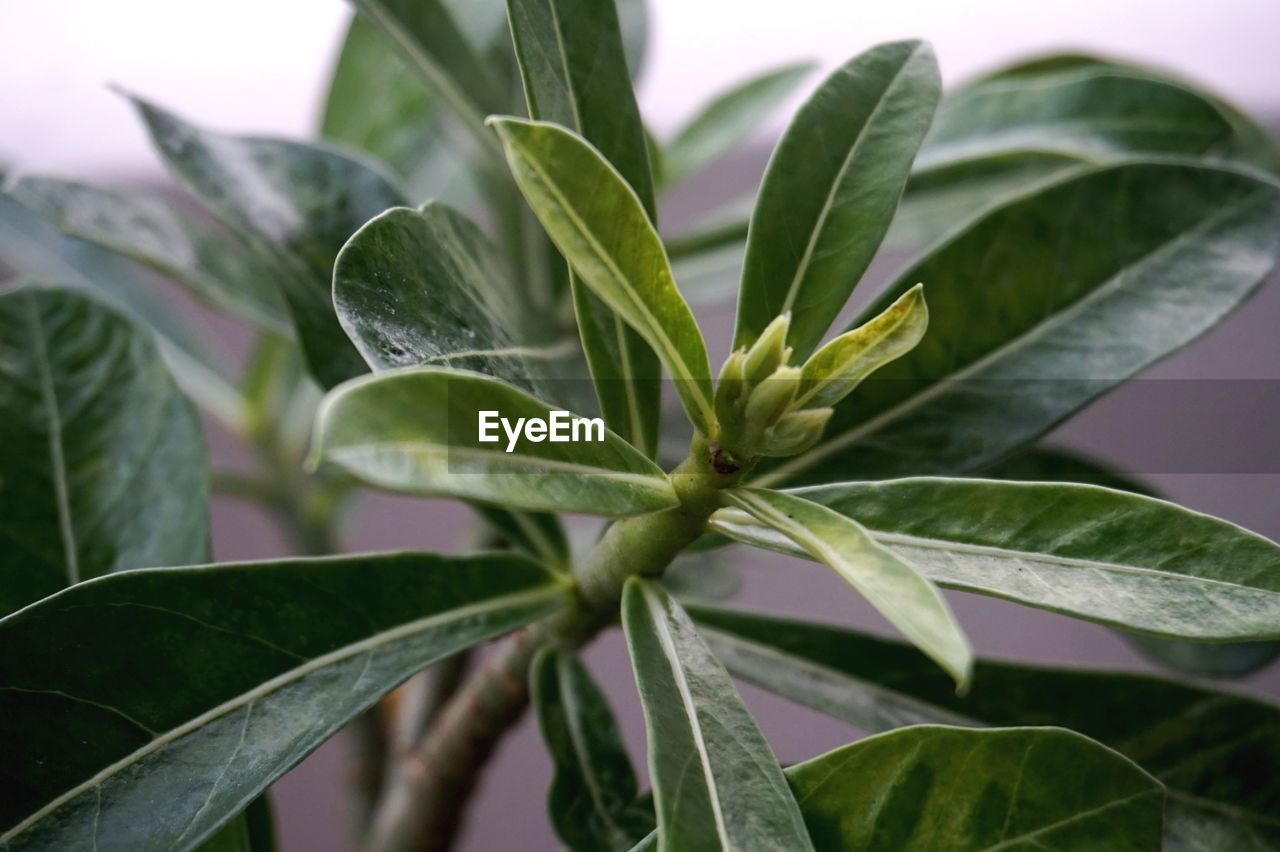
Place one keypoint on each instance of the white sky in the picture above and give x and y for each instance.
(259, 65)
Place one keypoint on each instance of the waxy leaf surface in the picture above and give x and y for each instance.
(215, 266)
(894, 586)
(294, 204)
(198, 687)
(417, 430)
(600, 226)
(102, 460)
(32, 248)
(592, 802)
(1218, 754)
(830, 191)
(915, 790)
(1043, 304)
(1023, 125)
(716, 782)
(1120, 559)
(573, 66)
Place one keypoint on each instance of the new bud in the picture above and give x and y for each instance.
(796, 432)
(730, 392)
(770, 351)
(770, 399)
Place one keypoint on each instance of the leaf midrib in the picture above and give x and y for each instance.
(1116, 282)
(727, 522)
(655, 482)
(372, 643)
(57, 458)
(658, 617)
(674, 359)
(581, 752)
(829, 202)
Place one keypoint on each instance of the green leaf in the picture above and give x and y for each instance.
(727, 119)
(1218, 754)
(1249, 142)
(1079, 287)
(1038, 788)
(592, 801)
(1228, 659)
(197, 687)
(102, 460)
(415, 287)
(600, 226)
(1088, 114)
(701, 576)
(574, 71)
(294, 204)
(894, 587)
(32, 248)
(831, 188)
(378, 104)
(417, 430)
(1219, 659)
(1120, 559)
(716, 783)
(250, 831)
(216, 267)
(1026, 124)
(837, 368)
(431, 42)
(536, 533)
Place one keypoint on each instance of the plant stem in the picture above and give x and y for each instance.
(422, 810)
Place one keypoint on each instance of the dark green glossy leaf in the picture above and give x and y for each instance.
(571, 60)
(831, 188)
(1249, 142)
(1089, 114)
(416, 287)
(895, 587)
(1045, 303)
(102, 461)
(1108, 556)
(197, 687)
(294, 204)
(601, 227)
(1218, 659)
(1218, 754)
(716, 782)
(920, 789)
(431, 42)
(592, 801)
(417, 430)
(1023, 125)
(214, 266)
(726, 120)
